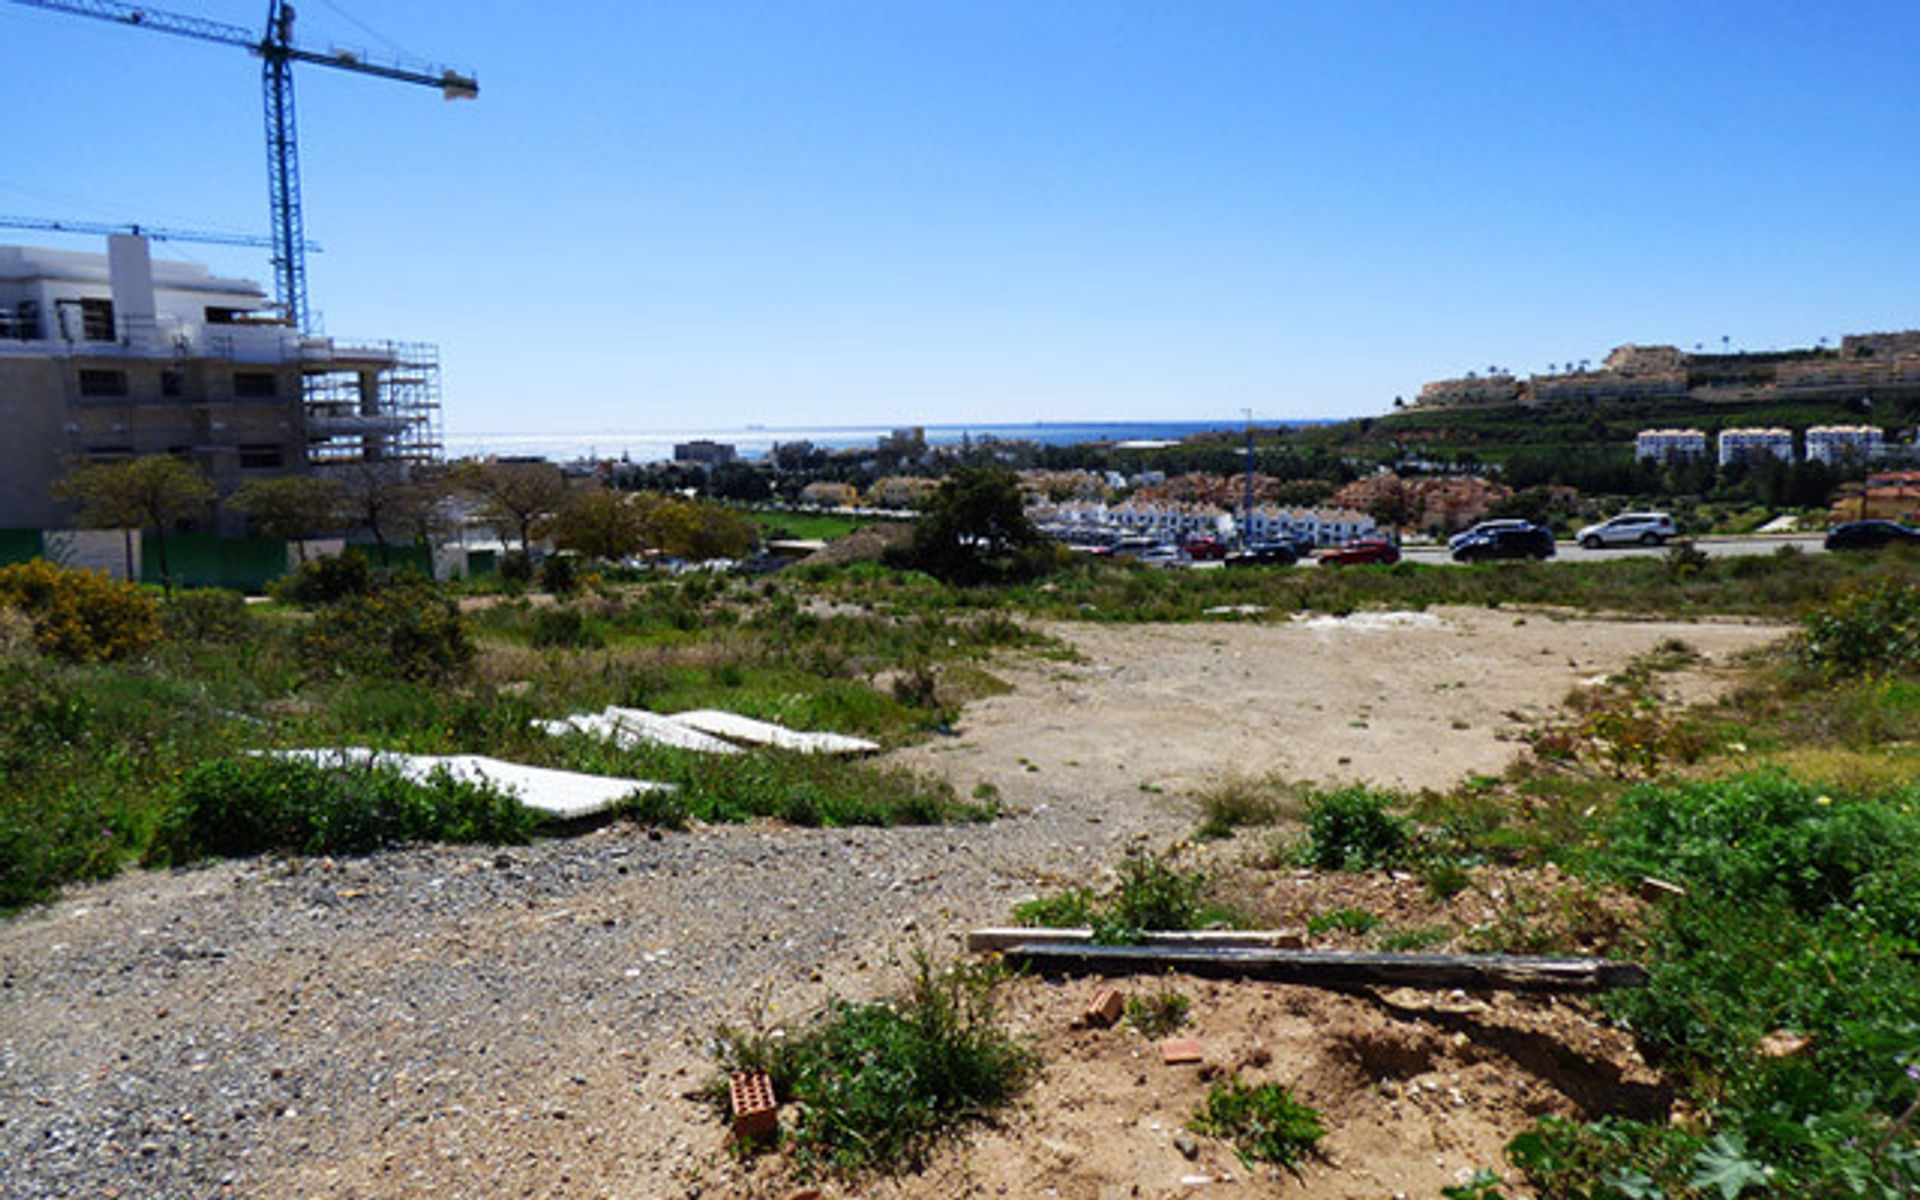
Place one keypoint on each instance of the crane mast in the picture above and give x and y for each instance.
(278, 53)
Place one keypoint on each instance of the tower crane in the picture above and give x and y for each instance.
(158, 233)
(277, 52)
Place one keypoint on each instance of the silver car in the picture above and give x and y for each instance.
(1628, 529)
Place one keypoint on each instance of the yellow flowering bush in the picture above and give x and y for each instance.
(81, 616)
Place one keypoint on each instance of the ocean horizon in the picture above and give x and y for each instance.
(755, 441)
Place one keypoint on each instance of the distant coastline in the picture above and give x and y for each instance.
(754, 441)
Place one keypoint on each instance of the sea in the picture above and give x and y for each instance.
(754, 441)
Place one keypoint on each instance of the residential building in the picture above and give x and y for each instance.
(118, 355)
(1670, 445)
(1320, 526)
(828, 494)
(706, 453)
(1838, 444)
(902, 491)
(1747, 445)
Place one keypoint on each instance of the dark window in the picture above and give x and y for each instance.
(261, 457)
(96, 320)
(255, 383)
(171, 383)
(103, 383)
(222, 316)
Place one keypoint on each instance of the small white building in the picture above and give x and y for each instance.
(1670, 445)
(1748, 445)
(1835, 444)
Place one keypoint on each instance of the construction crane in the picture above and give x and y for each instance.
(277, 53)
(158, 233)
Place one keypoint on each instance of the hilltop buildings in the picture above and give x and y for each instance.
(1869, 366)
(117, 355)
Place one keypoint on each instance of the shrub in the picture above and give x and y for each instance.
(406, 630)
(1265, 1123)
(564, 628)
(1236, 801)
(327, 580)
(1865, 631)
(514, 567)
(877, 1084)
(559, 574)
(251, 805)
(206, 615)
(1152, 895)
(81, 616)
(1351, 830)
(1343, 920)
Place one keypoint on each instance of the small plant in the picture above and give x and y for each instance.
(1344, 920)
(1404, 941)
(1265, 1123)
(1234, 802)
(1152, 895)
(1871, 630)
(1158, 1013)
(1444, 878)
(878, 1084)
(564, 628)
(1351, 830)
(1072, 909)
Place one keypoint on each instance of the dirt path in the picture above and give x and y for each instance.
(462, 1023)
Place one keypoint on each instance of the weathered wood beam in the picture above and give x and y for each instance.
(1335, 968)
(980, 941)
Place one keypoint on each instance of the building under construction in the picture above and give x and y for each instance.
(106, 357)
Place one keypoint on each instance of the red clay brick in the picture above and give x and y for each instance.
(1105, 1007)
(806, 1194)
(755, 1113)
(1178, 1051)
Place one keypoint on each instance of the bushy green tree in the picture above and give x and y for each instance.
(140, 493)
(975, 530)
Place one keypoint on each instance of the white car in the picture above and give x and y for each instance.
(1628, 529)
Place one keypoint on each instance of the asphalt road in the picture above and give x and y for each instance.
(1714, 547)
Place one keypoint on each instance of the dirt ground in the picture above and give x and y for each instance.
(450, 1021)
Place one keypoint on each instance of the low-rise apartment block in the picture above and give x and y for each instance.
(1670, 445)
(1839, 444)
(1750, 445)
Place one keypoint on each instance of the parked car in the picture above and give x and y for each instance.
(1264, 554)
(1362, 550)
(1528, 541)
(1485, 527)
(1164, 556)
(1628, 529)
(1871, 535)
(1133, 546)
(1205, 548)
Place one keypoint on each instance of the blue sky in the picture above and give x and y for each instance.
(705, 214)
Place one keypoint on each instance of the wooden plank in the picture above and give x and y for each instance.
(1336, 968)
(981, 941)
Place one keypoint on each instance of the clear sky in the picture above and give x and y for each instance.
(707, 213)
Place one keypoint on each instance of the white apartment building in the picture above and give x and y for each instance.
(118, 355)
(1747, 445)
(1670, 445)
(1835, 444)
(1321, 526)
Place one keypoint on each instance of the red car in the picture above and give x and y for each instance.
(1364, 550)
(1203, 548)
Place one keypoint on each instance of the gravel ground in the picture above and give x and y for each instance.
(478, 1023)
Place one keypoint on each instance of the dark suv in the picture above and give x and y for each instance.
(1265, 554)
(1513, 541)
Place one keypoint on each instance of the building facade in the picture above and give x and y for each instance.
(116, 356)
(1750, 445)
(1839, 444)
(1670, 445)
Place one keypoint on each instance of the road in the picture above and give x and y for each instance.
(1714, 547)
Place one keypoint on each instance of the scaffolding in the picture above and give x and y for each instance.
(371, 402)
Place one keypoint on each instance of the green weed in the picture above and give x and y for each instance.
(1264, 1123)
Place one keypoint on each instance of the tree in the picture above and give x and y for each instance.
(975, 529)
(391, 502)
(601, 524)
(515, 498)
(694, 530)
(139, 493)
(291, 509)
